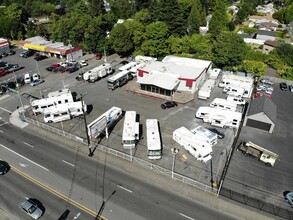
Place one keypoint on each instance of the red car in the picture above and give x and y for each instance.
(56, 65)
(3, 72)
(99, 56)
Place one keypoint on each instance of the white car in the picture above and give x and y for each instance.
(27, 78)
(36, 76)
(83, 63)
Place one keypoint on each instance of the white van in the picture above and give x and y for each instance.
(27, 78)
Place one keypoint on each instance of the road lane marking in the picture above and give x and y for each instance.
(5, 110)
(128, 190)
(186, 216)
(24, 158)
(55, 192)
(68, 163)
(1, 131)
(4, 123)
(28, 144)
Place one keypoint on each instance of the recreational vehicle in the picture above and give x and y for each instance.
(205, 135)
(205, 91)
(219, 117)
(106, 120)
(38, 106)
(56, 115)
(214, 74)
(128, 66)
(154, 144)
(223, 104)
(130, 134)
(234, 90)
(237, 100)
(119, 79)
(202, 151)
(100, 72)
(59, 92)
(144, 59)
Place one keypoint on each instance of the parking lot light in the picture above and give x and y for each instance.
(174, 151)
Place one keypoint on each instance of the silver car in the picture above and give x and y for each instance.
(289, 198)
(31, 208)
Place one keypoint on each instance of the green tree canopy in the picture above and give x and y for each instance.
(219, 18)
(196, 17)
(229, 50)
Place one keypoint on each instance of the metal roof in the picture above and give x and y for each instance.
(163, 80)
(263, 104)
(187, 61)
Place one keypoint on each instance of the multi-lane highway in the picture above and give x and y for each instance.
(73, 179)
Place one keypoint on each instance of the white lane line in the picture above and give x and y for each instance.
(128, 190)
(24, 158)
(1, 131)
(68, 163)
(28, 144)
(186, 216)
(5, 110)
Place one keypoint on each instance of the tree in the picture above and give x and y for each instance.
(123, 9)
(96, 7)
(169, 11)
(121, 40)
(257, 68)
(244, 11)
(219, 18)
(285, 53)
(195, 19)
(143, 4)
(155, 43)
(229, 50)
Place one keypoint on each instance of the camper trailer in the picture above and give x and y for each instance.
(98, 126)
(234, 90)
(119, 79)
(223, 104)
(205, 135)
(205, 91)
(154, 145)
(235, 99)
(214, 74)
(128, 66)
(100, 72)
(202, 151)
(130, 135)
(218, 117)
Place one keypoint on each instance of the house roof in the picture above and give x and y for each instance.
(267, 33)
(272, 43)
(163, 80)
(263, 104)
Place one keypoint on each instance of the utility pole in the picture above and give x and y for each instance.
(98, 217)
(86, 128)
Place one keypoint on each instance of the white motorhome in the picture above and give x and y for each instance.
(223, 104)
(134, 69)
(219, 117)
(119, 79)
(144, 59)
(112, 116)
(154, 144)
(64, 112)
(235, 81)
(205, 91)
(205, 135)
(38, 106)
(202, 151)
(59, 92)
(100, 72)
(130, 134)
(236, 99)
(128, 66)
(234, 90)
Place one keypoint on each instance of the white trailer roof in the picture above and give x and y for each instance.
(153, 134)
(130, 126)
(208, 85)
(205, 133)
(118, 75)
(59, 92)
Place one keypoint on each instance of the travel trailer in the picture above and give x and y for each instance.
(214, 74)
(130, 135)
(202, 151)
(51, 116)
(100, 72)
(236, 99)
(205, 91)
(98, 126)
(119, 79)
(128, 66)
(223, 104)
(218, 117)
(234, 90)
(154, 145)
(205, 135)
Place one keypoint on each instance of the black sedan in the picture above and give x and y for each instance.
(4, 167)
(168, 104)
(220, 134)
(283, 86)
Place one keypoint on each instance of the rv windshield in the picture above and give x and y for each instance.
(154, 152)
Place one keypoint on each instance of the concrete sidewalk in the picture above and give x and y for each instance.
(16, 117)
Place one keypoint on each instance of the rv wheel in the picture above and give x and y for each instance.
(50, 121)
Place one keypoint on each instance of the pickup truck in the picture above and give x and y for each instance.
(250, 149)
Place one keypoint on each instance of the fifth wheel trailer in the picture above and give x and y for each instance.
(100, 72)
(205, 91)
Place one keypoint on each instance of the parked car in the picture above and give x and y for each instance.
(11, 52)
(83, 63)
(289, 198)
(283, 86)
(36, 76)
(31, 208)
(168, 104)
(291, 88)
(73, 69)
(11, 85)
(40, 57)
(27, 78)
(2, 63)
(15, 67)
(4, 54)
(4, 167)
(37, 82)
(99, 56)
(51, 69)
(26, 54)
(266, 81)
(19, 81)
(3, 72)
(216, 131)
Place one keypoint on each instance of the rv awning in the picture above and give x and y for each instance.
(165, 81)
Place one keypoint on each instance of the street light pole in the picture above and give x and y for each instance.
(86, 128)
(103, 206)
(174, 151)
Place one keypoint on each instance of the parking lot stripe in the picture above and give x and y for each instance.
(5, 109)
(68, 163)
(186, 216)
(121, 187)
(28, 144)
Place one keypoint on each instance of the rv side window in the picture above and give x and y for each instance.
(217, 121)
(50, 105)
(246, 92)
(56, 115)
(42, 107)
(59, 102)
(234, 90)
(66, 101)
(234, 120)
(202, 113)
(35, 107)
(47, 115)
(233, 123)
(64, 113)
(221, 106)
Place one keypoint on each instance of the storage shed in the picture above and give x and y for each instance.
(262, 114)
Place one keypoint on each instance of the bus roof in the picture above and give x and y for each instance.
(153, 135)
